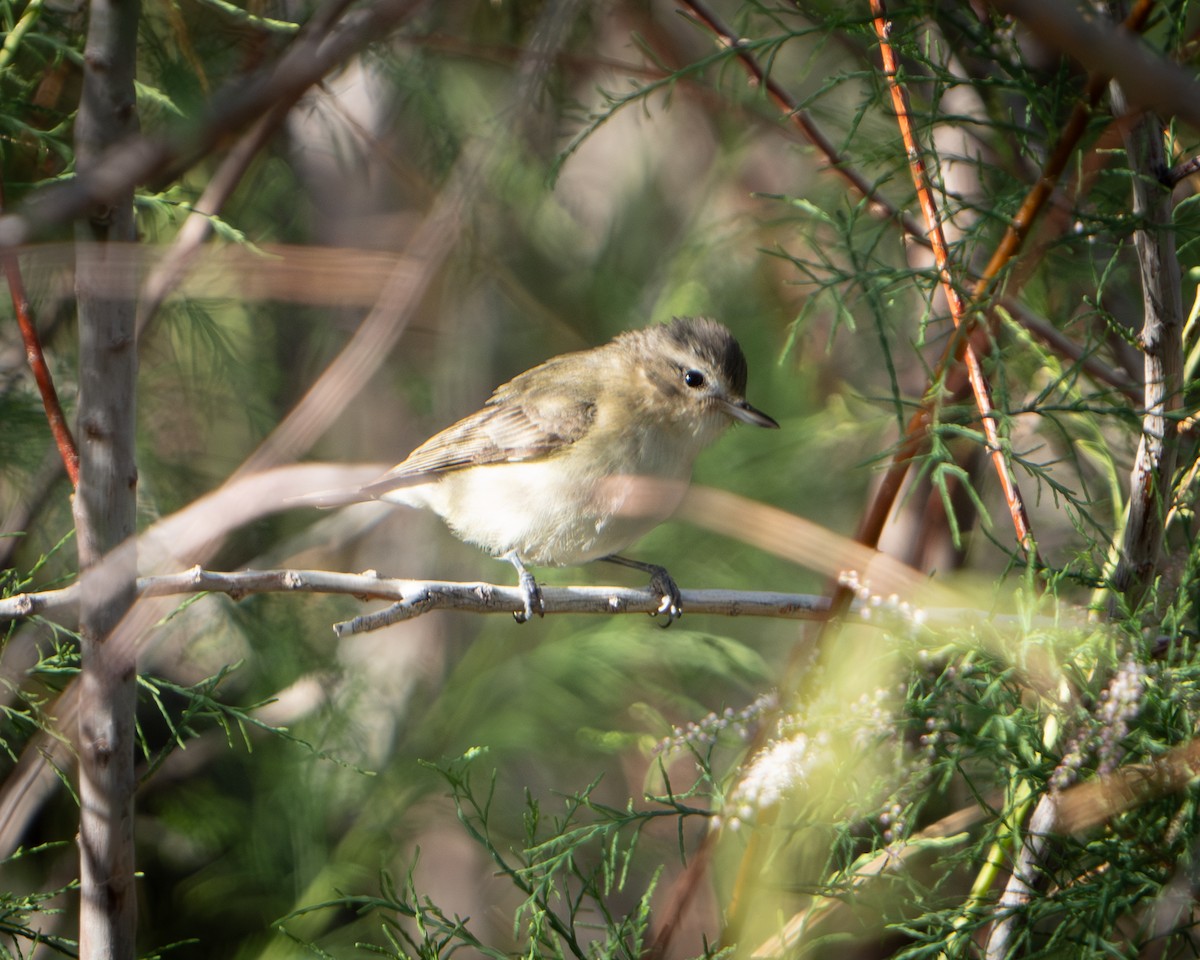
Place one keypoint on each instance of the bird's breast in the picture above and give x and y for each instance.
(591, 499)
(559, 511)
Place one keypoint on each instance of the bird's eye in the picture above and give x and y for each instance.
(694, 379)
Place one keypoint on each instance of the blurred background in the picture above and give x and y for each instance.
(493, 184)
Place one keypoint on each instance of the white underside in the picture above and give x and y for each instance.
(564, 510)
(527, 508)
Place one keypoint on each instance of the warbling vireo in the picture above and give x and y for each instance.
(577, 458)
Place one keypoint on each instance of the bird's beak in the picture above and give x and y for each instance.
(741, 410)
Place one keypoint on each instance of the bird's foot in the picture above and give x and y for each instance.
(661, 584)
(664, 585)
(534, 604)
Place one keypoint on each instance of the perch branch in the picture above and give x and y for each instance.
(415, 597)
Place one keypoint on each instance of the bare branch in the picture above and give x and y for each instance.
(414, 597)
(1162, 344)
(1026, 879)
(1148, 80)
(106, 502)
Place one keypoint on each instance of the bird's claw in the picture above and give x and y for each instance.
(534, 604)
(661, 585)
(665, 587)
(529, 589)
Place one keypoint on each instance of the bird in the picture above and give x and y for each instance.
(577, 458)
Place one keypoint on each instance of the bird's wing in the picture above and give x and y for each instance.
(514, 425)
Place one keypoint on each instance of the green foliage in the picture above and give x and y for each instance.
(566, 871)
(23, 916)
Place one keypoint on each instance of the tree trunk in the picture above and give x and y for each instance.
(105, 501)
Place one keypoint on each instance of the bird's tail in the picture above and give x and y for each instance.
(328, 499)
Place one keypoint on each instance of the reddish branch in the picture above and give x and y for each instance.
(37, 363)
(958, 305)
(976, 338)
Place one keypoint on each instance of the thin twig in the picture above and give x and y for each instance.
(808, 127)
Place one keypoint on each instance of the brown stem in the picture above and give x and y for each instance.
(980, 386)
(1149, 81)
